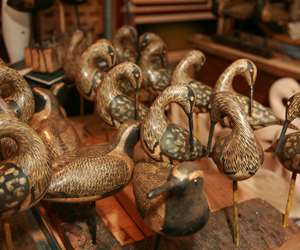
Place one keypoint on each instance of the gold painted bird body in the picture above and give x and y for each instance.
(16, 92)
(177, 212)
(261, 115)
(237, 154)
(74, 48)
(153, 62)
(52, 125)
(92, 65)
(126, 44)
(114, 106)
(25, 177)
(164, 141)
(94, 172)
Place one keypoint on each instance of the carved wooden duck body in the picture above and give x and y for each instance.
(153, 62)
(75, 47)
(126, 44)
(195, 59)
(164, 141)
(112, 105)
(52, 125)
(25, 177)
(96, 171)
(170, 199)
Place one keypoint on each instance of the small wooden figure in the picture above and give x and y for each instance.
(287, 149)
(237, 154)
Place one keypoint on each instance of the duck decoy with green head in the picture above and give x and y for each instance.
(288, 149)
(93, 63)
(25, 177)
(170, 198)
(126, 44)
(114, 106)
(237, 154)
(166, 141)
(154, 62)
(52, 125)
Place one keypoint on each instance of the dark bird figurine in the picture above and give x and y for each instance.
(237, 154)
(126, 44)
(164, 141)
(25, 177)
(170, 198)
(154, 62)
(114, 106)
(92, 65)
(288, 149)
(52, 125)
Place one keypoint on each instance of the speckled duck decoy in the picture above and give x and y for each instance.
(237, 154)
(126, 44)
(52, 125)
(75, 47)
(25, 177)
(114, 106)
(96, 59)
(170, 199)
(288, 149)
(96, 171)
(153, 62)
(165, 141)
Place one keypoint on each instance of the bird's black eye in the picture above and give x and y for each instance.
(197, 180)
(136, 73)
(111, 51)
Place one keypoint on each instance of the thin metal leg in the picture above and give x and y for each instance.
(289, 203)
(236, 225)
(7, 235)
(157, 242)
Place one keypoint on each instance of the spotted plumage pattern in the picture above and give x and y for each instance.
(157, 134)
(237, 154)
(114, 106)
(126, 44)
(92, 65)
(94, 171)
(31, 160)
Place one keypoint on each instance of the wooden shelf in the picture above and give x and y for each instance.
(151, 2)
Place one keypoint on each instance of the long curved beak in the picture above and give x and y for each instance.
(191, 128)
(168, 186)
(251, 101)
(210, 136)
(282, 137)
(136, 103)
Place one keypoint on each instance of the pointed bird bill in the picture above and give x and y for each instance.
(168, 186)
(251, 101)
(191, 128)
(136, 107)
(282, 137)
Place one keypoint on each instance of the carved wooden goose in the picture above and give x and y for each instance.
(76, 46)
(96, 59)
(238, 154)
(113, 106)
(52, 125)
(170, 198)
(165, 141)
(153, 62)
(288, 149)
(25, 177)
(126, 44)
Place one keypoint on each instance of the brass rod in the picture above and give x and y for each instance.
(289, 203)
(7, 235)
(236, 226)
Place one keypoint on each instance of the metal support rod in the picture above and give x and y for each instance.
(289, 203)
(236, 226)
(108, 9)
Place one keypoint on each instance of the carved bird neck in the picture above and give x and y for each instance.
(237, 154)
(242, 67)
(96, 59)
(16, 93)
(193, 61)
(154, 56)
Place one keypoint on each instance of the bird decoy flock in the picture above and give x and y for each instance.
(43, 157)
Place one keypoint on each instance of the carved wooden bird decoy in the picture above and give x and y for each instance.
(25, 177)
(52, 125)
(74, 48)
(166, 141)
(288, 149)
(154, 62)
(126, 44)
(237, 154)
(114, 106)
(95, 60)
(170, 198)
